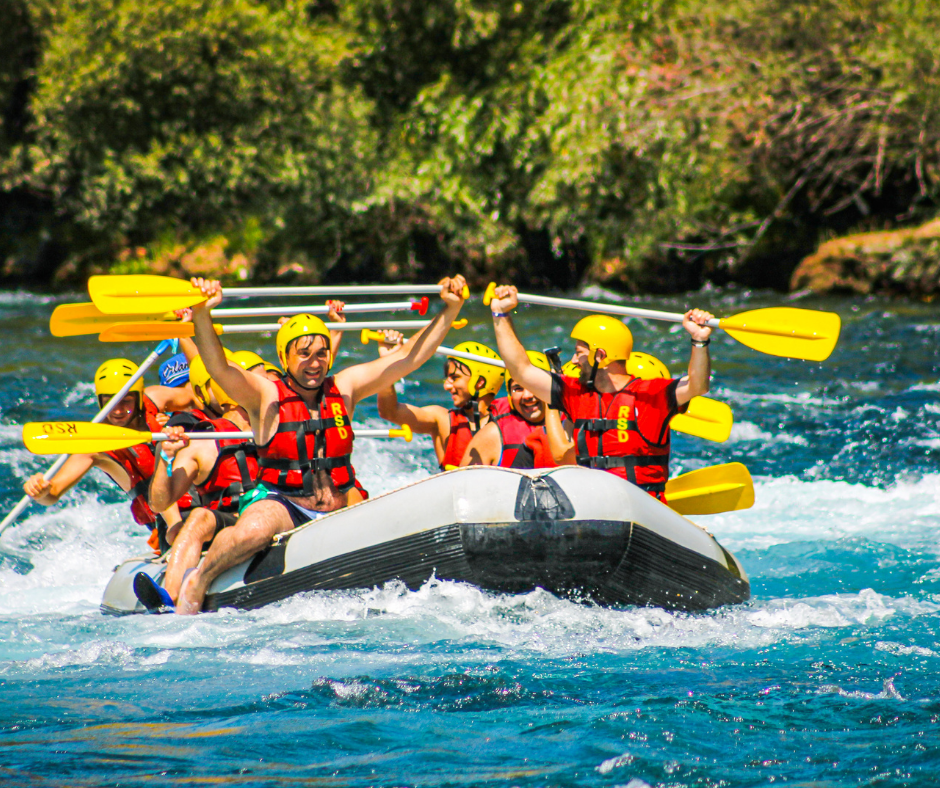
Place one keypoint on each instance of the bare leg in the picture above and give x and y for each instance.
(252, 533)
(198, 529)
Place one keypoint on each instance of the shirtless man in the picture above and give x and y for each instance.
(300, 488)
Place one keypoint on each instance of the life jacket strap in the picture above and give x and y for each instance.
(602, 425)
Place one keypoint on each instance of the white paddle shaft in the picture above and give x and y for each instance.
(450, 352)
(333, 290)
(609, 309)
(157, 437)
(318, 309)
(380, 325)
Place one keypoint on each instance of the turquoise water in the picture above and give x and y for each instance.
(830, 676)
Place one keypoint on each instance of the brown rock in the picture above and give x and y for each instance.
(895, 262)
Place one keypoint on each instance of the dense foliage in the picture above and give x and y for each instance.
(651, 143)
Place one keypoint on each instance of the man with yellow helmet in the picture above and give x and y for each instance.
(129, 468)
(301, 423)
(221, 472)
(472, 386)
(517, 419)
(621, 422)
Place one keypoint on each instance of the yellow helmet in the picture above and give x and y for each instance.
(111, 376)
(647, 367)
(201, 382)
(301, 326)
(492, 377)
(604, 331)
(539, 360)
(571, 369)
(246, 359)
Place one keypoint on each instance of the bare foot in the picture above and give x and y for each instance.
(189, 602)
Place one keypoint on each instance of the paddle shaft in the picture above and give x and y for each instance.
(102, 415)
(157, 437)
(610, 309)
(379, 325)
(334, 290)
(319, 309)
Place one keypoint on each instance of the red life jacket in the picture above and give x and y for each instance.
(513, 429)
(138, 462)
(304, 445)
(607, 437)
(235, 471)
(462, 431)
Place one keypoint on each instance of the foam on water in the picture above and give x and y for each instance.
(789, 509)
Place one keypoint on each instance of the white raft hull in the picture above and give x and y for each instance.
(573, 531)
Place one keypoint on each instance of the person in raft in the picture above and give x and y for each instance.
(513, 436)
(621, 422)
(301, 424)
(222, 471)
(129, 468)
(472, 385)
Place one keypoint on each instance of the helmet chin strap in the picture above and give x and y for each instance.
(305, 388)
(592, 375)
(475, 409)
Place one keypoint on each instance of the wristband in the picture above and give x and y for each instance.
(701, 342)
(168, 461)
(500, 314)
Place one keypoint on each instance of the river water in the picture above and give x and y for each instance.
(830, 676)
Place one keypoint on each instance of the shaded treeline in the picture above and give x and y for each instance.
(651, 145)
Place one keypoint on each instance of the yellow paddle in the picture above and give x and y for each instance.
(85, 437)
(137, 293)
(146, 331)
(713, 490)
(69, 320)
(706, 418)
(777, 331)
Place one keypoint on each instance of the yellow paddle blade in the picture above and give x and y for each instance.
(79, 437)
(785, 331)
(142, 293)
(72, 320)
(706, 418)
(141, 332)
(720, 488)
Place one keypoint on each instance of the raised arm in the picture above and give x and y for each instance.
(700, 365)
(521, 369)
(560, 443)
(427, 420)
(335, 315)
(364, 380)
(249, 391)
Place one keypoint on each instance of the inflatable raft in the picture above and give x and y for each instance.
(576, 532)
